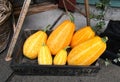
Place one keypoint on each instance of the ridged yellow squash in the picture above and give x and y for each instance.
(61, 36)
(44, 55)
(82, 35)
(33, 43)
(87, 52)
(60, 58)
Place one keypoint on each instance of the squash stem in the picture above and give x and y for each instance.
(71, 17)
(68, 13)
(105, 39)
(66, 47)
(47, 28)
(43, 44)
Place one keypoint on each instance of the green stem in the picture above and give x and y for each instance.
(68, 13)
(66, 47)
(43, 44)
(71, 17)
(105, 39)
(46, 28)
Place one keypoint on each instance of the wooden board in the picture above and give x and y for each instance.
(37, 8)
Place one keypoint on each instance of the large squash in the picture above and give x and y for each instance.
(87, 52)
(33, 43)
(61, 36)
(44, 55)
(82, 35)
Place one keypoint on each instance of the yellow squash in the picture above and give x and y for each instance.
(60, 58)
(33, 43)
(61, 36)
(44, 56)
(87, 52)
(82, 35)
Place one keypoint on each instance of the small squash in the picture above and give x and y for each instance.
(87, 52)
(82, 35)
(61, 57)
(61, 36)
(44, 55)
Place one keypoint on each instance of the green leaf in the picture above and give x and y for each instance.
(92, 16)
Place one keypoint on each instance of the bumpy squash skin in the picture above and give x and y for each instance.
(33, 43)
(82, 35)
(87, 52)
(61, 36)
(44, 56)
(60, 58)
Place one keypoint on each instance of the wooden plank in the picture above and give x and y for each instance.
(18, 26)
(37, 8)
(87, 12)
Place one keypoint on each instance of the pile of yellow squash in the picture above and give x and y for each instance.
(86, 46)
